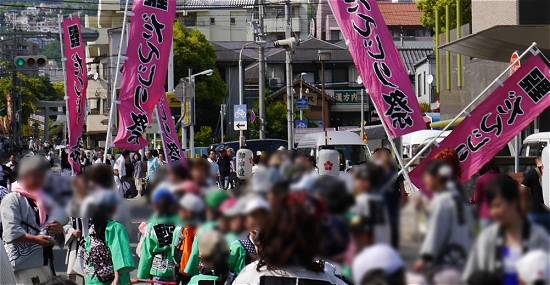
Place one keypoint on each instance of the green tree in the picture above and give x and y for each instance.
(192, 50)
(52, 51)
(204, 136)
(428, 8)
(30, 89)
(276, 126)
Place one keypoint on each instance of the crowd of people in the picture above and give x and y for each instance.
(287, 224)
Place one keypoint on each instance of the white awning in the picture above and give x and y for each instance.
(499, 42)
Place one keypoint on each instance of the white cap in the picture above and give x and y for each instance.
(256, 203)
(534, 266)
(376, 257)
(192, 203)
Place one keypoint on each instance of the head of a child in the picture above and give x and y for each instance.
(213, 253)
(232, 214)
(367, 177)
(362, 231)
(214, 199)
(256, 212)
(164, 201)
(191, 208)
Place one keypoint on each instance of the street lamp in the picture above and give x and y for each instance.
(324, 55)
(191, 80)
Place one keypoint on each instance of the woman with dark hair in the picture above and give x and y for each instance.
(450, 226)
(289, 244)
(500, 245)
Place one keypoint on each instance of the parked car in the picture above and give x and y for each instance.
(267, 145)
(349, 144)
(535, 143)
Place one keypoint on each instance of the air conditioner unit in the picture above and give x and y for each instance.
(275, 82)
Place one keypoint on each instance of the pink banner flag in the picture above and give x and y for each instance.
(379, 65)
(171, 145)
(497, 120)
(77, 82)
(144, 75)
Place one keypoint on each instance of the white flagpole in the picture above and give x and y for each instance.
(113, 93)
(465, 109)
(66, 97)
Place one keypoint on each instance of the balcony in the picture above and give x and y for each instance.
(278, 25)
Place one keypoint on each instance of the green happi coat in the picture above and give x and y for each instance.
(157, 258)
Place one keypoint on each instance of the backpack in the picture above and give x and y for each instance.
(99, 261)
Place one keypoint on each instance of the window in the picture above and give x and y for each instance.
(339, 75)
(190, 20)
(212, 21)
(419, 85)
(335, 35)
(232, 20)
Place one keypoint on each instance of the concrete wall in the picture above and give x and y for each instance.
(488, 13)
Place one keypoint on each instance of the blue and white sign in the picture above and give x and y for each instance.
(239, 118)
(301, 124)
(302, 104)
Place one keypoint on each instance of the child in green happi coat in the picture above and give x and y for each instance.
(243, 251)
(213, 254)
(157, 261)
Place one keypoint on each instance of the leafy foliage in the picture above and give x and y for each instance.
(52, 51)
(428, 8)
(192, 50)
(204, 136)
(30, 89)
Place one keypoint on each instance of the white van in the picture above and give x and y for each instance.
(413, 142)
(533, 144)
(350, 146)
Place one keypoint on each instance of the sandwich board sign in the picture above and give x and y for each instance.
(239, 118)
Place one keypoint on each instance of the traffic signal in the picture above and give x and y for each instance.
(31, 61)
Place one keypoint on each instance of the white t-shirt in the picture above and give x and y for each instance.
(120, 165)
(214, 168)
(250, 276)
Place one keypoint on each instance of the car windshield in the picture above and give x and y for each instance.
(535, 148)
(356, 154)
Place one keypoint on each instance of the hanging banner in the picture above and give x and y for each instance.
(497, 120)
(171, 145)
(379, 65)
(149, 44)
(77, 82)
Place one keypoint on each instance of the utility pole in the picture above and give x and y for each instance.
(222, 115)
(261, 71)
(184, 99)
(14, 91)
(289, 101)
(192, 118)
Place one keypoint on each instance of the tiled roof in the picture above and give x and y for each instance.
(400, 14)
